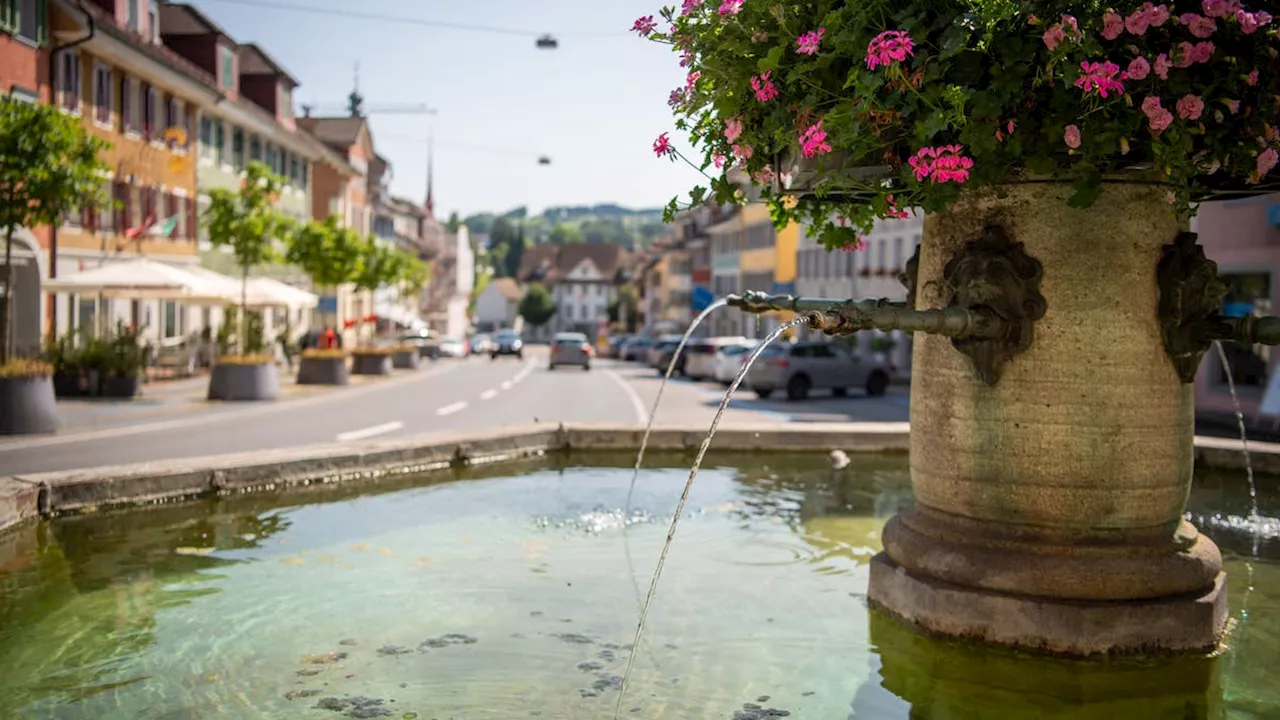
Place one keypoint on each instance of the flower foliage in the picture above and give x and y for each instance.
(929, 97)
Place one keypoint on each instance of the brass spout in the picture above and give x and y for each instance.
(845, 317)
(1249, 330)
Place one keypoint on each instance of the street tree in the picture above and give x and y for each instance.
(537, 307)
(625, 307)
(48, 163)
(327, 252)
(249, 223)
(381, 265)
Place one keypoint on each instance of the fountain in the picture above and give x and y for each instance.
(1051, 416)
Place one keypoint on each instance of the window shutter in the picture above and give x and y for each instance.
(193, 218)
(42, 22)
(9, 15)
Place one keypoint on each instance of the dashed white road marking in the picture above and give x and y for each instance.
(488, 394)
(506, 384)
(370, 431)
(451, 409)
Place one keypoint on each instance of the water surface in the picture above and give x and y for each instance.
(509, 595)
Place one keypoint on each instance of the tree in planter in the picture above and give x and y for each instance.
(380, 266)
(327, 252)
(48, 162)
(248, 223)
(537, 307)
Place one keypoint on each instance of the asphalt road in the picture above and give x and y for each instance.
(446, 395)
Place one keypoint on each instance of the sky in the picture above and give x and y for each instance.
(594, 106)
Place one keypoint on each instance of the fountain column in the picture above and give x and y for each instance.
(1050, 501)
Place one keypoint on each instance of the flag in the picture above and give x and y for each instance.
(134, 233)
(164, 228)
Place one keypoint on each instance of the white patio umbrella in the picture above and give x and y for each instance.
(281, 294)
(144, 279)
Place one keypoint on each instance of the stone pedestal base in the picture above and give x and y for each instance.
(1185, 623)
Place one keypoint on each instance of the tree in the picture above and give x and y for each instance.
(563, 234)
(381, 266)
(327, 252)
(454, 222)
(506, 247)
(48, 162)
(625, 308)
(249, 223)
(537, 307)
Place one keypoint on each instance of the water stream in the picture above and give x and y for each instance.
(684, 496)
(1254, 520)
(653, 411)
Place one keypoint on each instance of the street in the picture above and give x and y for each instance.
(446, 395)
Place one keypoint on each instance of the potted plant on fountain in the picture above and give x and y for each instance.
(330, 255)
(409, 284)
(48, 162)
(380, 265)
(1058, 150)
(249, 224)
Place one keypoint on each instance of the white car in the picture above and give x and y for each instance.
(452, 347)
(728, 361)
(700, 356)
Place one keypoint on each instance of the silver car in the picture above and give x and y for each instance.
(570, 349)
(800, 367)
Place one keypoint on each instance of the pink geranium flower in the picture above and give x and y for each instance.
(763, 87)
(1138, 22)
(1112, 26)
(662, 147)
(1251, 21)
(1266, 162)
(1071, 136)
(731, 7)
(1157, 15)
(676, 98)
(1162, 66)
(1220, 8)
(1157, 116)
(1199, 26)
(764, 176)
(690, 6)
(814, 141)
(889, 47)
(1100, 76)
(1190, 107)
(743, 152)
(807, 44)
(1202, 52)
(644, 26)
(1139, 69)
(719, 161)
(1252, 77)
(732, 130)
(894, 211)
(944, 163)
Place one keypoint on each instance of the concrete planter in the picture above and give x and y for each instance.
(27, 406)
(1049, 504)
(244, 382)
(323, 371)
(119, 387)
(405, 359)
(371, 363)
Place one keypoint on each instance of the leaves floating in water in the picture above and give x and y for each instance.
(299, 694)
(751, 711)
(323, 658)
(355, 707)
(576, 638)
(447, 640)
(394, 650)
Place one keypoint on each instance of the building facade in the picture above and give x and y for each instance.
(24, 75)
(582, 279)
(498, 305)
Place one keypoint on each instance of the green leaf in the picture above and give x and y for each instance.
(770, 61)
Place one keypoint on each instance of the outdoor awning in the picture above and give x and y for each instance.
(144, 279)
(282, 294)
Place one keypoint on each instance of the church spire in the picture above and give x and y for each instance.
(431, 200)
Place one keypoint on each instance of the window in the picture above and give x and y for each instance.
(294, 177)
(133, 17)
(69, 81)
(175, 120)
(28, 19)
(150, 103)
(102, 94)
(206, 137)
(227, 67)
(219, 141)
(255, 148)
(272, 159)
(302, 175)
(169, 311)
(106, 211)
(237, 148)
(153, 20)
(128, 104)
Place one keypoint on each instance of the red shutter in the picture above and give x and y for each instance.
(126, 207)
(193, 218)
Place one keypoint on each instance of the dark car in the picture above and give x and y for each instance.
(507, 342)
(661, 354)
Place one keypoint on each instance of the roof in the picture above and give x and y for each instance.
(183, 19)
(546, 263)
(342, 131)
(509, 288)
(159, 53)
(255, 61)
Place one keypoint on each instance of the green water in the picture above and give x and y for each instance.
(511, 595)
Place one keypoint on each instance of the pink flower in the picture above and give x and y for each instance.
(1232, 105)
(662, 147)
(1202, 52)
(1220, 8)
(1252, 78)
(763, 87)
(1162, 66)
(690, 6)
(894, 211)
(644, 26)
(731, 7)
(732, 130)
(719, 161)
(1184, 55)
(1200, 26)
(1071, 136)
(1190, 107)
(945, 163)
(691, 80)
(759, 36)
(807, 44)
(676, 98)
(1157, 116)
(1011, 126)
(1100, 76)
(1266, 162)
(1250, 22)
(1112, 26)
(1053, 37)
(1139, 69)
(1138, 22)
(889, 47)
(764, 176)
(686, 58)
(1157, 15)
(743, 152)
(814, 141)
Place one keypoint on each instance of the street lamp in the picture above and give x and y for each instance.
(547, 42)
(544, 160)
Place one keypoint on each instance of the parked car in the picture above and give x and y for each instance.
(507, 342)
(613, 346)
(635, 349)
(728, 362)
(570, 348)
(481, 344)
(658, 356)
(701, 355)
(801, 367)
(422, 340)
(452, 347)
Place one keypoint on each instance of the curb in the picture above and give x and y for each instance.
(42, 494)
